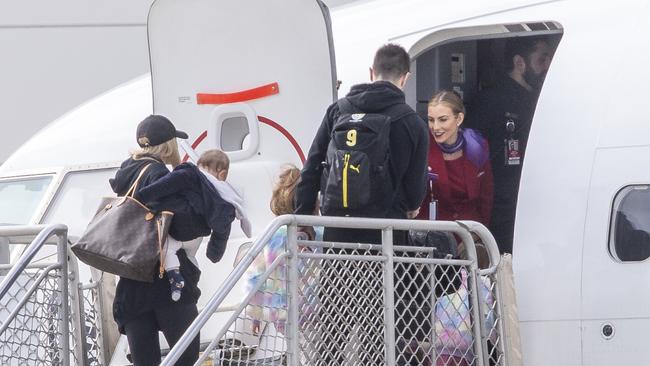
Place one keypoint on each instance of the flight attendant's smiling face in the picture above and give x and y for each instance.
(444, 124)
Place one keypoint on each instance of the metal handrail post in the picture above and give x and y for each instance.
(505, 339)
(433, 299)
(292, 246)
(62, 254)
(389, 295)
(42, 234)
(230, 282)
(76, 310)
(242, 305)
(30, 291)
(477, 326)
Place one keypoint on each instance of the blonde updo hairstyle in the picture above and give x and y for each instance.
(450, 99)
(282, 199)
(167, 152)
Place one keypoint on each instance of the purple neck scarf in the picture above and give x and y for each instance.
(456, 146)
(472, 144)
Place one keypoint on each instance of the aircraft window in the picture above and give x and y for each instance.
(78, 197)
(234, 128)
(629, 238)
(19, 199)
(233, 133)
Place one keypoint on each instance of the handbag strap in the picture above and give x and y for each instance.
(161, 269)
(134, 186)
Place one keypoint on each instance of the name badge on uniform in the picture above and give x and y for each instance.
(433, 208)
(513, 154)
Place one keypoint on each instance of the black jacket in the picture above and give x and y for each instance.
(409, 145)
(133, 298)
(489, 114)
(197, 207)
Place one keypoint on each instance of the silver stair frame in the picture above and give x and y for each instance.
(42, 235)
(462, 229)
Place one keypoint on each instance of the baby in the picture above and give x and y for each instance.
(202, 202)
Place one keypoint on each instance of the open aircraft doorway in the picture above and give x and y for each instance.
(473, 63)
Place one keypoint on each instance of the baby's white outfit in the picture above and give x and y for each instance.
(229, 194)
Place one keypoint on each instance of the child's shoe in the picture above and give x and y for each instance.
(177, 283)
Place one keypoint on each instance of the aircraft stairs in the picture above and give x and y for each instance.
(317, 303)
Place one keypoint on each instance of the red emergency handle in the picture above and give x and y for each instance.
(242, 96)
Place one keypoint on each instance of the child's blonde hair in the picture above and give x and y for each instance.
(214, 160)
(282, 200)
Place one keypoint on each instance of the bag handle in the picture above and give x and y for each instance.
(161, 269)
(134, 186)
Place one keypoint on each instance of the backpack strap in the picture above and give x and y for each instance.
(395, 112)
(399, 111)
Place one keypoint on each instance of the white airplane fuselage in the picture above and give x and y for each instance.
(590, 137)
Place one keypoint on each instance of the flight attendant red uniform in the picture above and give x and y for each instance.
(463, 186)
(460, 181)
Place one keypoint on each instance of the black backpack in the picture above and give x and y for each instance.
(356, 176)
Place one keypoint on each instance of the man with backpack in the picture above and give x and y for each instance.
(368, 159)
(370, 153)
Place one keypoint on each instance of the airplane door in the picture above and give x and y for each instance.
(252, 77)
(616, 271)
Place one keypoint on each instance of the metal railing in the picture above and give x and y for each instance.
(325, 303)
(34, 297)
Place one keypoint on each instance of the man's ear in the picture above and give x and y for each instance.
(372, 74)
(520, 63)
(403, 79)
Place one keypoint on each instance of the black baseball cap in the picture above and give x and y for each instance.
(155, 130)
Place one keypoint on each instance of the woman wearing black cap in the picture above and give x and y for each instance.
(141, 309)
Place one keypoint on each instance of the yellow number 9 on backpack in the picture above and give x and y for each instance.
(352, 138)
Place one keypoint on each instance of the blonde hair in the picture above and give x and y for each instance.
(167, 152)
(451, 99)
(214, 160)
(282, 200)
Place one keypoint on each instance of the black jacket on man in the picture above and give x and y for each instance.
(198, 209)
(409, 144)
(134, 298)
(489, 114)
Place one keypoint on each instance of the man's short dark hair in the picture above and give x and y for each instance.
(522, 46)
(391, 62)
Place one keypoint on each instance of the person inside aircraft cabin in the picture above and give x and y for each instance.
(459, 187)
(503, 114)
(459, 173)
(370, 154)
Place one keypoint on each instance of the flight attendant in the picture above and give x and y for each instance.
(459, 187)
(459, 183)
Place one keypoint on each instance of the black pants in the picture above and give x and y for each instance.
(172, 321)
